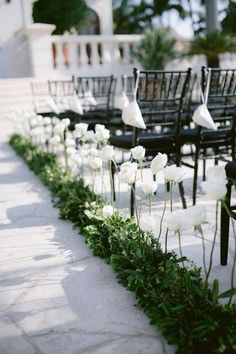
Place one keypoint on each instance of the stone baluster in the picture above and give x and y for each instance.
(73, 56)
(126, 53)
(60, 59)
(83, 54)
(95, 59)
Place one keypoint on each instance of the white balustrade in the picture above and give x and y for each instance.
(93, 54)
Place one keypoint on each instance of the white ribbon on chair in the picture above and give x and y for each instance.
(131, 115)
(201, 115)
(123, 101)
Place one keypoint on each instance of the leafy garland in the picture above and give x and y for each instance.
(175, 299)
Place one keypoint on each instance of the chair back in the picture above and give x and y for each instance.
(61, 88)
(160, 95)
(40, 92)
(221, 105)
(102, 89)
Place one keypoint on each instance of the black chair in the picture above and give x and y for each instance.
(230, 169)
(40, 93)
(160, 95)
(221, 105)
(102, 91)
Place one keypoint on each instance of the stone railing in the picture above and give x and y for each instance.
(93, 54)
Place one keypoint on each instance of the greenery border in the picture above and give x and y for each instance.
(175, 299)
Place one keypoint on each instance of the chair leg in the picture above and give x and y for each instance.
(204, 170)
(132, 196)
(224, 228)
(113, 171)
(181, 191)
(195, 175)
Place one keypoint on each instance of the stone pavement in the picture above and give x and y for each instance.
(55, 297)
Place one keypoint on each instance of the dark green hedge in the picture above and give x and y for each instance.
(175, 299)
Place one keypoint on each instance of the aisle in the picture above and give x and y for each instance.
(55, 297)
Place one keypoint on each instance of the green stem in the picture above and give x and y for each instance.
(149, 204)
(234, 264)
(166, 235)
(163, 213)
(180, 247)
(171, 196)
(111, 182)
(204, 250)
(213, 244)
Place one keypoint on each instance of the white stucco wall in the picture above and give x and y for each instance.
(14, 16)
(103, 8)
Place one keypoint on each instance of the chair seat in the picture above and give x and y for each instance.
(230, 170)
(207, 136)
(149, 141)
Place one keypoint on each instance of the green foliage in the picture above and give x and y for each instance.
(175, 298)
(134, 17)
(63, 14)
(155, 50)
(213, 44)
(229, 21)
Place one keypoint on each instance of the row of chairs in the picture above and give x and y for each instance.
(166, 100)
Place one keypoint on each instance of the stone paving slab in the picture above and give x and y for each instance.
(55, 297)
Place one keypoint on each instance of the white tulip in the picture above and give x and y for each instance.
(196, 215)
(173, 173)
(60, 148)
(215, 189)
(70, 142)
(66, 122)
(138, 153)
(48, 129)
(47, 121)
(176, 220)
(158, 163)
(59, 129)
(93, 152)
(103, 135)
(70, 150)
(149, 187)
(107, 153)
(95, 163)
(33, 122)
(77, 158)
(99, 127)
(107, 211)
(55, 120)
(80, 129)
(55, 140)
(128, 172)
(89, 137)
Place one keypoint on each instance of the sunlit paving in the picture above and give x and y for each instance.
(117, 177)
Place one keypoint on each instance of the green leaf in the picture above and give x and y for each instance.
(227, 293)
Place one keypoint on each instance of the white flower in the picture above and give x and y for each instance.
(60, 148)
(93, 152)
(149, 187)
(95, 163)
(99, 127)
(215, 189)
(84, 152)
(158, 163)
(70, 150)
(55, 140)
(33, 122)
(80, 129)
(128, 172)
(107, 153)
(65, 122)
(176, 220)
(70, 142)
(89, 137)
(55, 120)
(47, 121)
(138, 153)
(76, 158)
(59, 129)
(48, 129)
(196, 215)
(173, 173)
(103, 135)
(216, 172)
(107, 211)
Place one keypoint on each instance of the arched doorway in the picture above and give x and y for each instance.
(92, 24)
